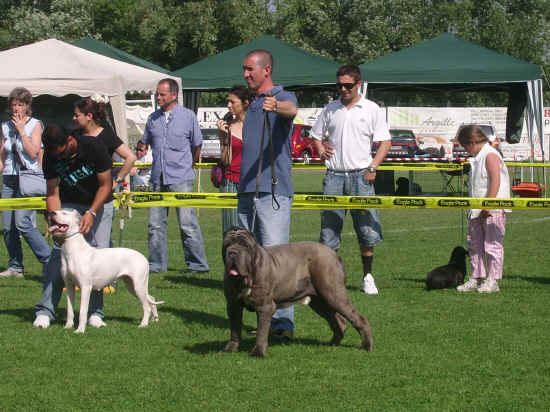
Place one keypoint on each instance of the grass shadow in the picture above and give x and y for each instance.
(534, 279)
(196, 316)
(26, 315)
(194, 281)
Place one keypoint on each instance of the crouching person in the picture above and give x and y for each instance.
(78, 173)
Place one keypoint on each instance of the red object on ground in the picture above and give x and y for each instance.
(527, 189)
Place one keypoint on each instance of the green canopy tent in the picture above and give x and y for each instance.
(293, 68)
(100, 47)
(448, 62)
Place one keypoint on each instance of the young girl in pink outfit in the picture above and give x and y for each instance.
(488, 178)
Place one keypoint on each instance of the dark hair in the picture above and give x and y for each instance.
(471, 133)
(172, 84)
(242, 92)
(23, 95)
(54, 136)
(349, 70)
(264, 58)
(87, 105)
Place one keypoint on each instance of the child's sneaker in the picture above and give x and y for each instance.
(470, 286)
(489, 286)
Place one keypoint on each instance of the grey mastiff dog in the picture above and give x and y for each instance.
(263, 279)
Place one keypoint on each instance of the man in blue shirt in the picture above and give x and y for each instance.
(272, 210)
(175, 138)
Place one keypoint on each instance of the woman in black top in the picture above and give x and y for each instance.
(90, 115)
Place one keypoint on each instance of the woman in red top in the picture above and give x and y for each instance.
(238, 99)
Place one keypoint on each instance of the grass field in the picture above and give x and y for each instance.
(436, 350)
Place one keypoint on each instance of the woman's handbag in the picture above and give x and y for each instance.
(32, 184)
(216, 174)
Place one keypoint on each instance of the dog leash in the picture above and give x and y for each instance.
(274, 181)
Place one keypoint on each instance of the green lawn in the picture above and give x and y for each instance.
(436, 350)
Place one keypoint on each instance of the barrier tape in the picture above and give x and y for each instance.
(301, 202)
(402, 164)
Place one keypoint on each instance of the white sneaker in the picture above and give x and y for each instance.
(10, 272)
(41, 321)
(470, 286)
(489, 286)
(368, 285)
(96, 322)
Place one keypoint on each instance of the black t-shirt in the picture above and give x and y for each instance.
(109, 138)
(78, 176)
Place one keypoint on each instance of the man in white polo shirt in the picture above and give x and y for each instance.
(343, 133)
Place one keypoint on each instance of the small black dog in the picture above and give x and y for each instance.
(450, 275)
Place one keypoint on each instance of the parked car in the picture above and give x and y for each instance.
(488, 129)
(403, 144)
(210, 145)
(303, 148)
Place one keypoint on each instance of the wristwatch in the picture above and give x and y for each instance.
(371, 169)
(119, 180)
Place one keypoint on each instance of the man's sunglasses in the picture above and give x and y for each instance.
(347, 86)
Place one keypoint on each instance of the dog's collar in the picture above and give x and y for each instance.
(65, 238)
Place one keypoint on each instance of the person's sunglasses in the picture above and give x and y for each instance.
(347, 86)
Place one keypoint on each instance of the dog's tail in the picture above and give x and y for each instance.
(152, 300)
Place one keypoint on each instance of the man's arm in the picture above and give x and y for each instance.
(379, 158)
(284, 108)
(53, 202)
(196, 150)
(102, 194)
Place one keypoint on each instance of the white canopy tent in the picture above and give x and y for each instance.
(57, 68)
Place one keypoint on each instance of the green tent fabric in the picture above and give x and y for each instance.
(292, 67)
(448, 59)
(104, 49)
(448, 62)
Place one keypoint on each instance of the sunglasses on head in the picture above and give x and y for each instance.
(347, 86)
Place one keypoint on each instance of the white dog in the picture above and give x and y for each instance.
(91, 268)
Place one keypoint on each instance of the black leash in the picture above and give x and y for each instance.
(274, 180)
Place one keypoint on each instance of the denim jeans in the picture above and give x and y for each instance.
(22, 222)
(229, 216)
(365, 221)
(271, 227)
(190, 232)
(99, 237)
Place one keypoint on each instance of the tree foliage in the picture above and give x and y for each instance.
(175, 33)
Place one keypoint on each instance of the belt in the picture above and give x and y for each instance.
(346, 171)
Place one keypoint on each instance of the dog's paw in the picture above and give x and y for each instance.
(231, 346)
(79, 330)
(69, 325)
(257, 352)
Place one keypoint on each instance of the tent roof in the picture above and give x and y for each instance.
(293, 67)
(105, 49)
(448, 59)
(58, 68)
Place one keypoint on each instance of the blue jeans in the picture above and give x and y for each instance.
(190, 232)
(99, 237)
(271, 227)
(22, 222)
(229, 216)
(365, 221)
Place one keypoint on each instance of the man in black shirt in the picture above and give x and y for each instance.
(78, 174)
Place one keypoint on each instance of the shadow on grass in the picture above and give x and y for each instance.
(194, 281)
(26, 315)
(248, 342)
(534, 279)
(196, 316)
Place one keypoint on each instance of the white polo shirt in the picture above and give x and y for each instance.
(351, 132)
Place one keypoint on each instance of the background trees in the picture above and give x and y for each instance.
(174, 33)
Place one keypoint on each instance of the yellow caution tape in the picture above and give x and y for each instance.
(301, 202)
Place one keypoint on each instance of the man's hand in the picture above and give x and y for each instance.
(370, 176)
(86, 223)
(270, 104)
(18, 120)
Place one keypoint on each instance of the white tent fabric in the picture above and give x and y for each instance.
(57, 68)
